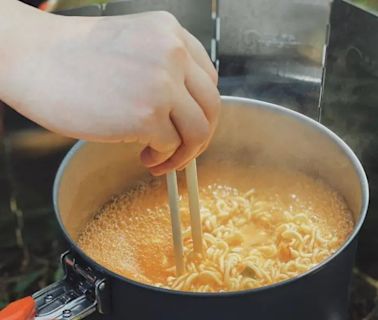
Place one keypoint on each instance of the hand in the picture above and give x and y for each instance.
(138, 78)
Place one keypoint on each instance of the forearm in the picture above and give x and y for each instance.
(21, 36)
(17, 22)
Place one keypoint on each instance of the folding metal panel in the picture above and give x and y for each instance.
(350, 103)
(195, 15)
(273, 50)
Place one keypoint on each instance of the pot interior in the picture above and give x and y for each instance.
(249, 132)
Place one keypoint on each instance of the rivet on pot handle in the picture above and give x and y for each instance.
(78, 295)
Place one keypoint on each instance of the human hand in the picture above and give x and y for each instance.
(137, 78)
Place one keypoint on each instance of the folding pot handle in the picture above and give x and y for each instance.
(81, 293)
(23, 309)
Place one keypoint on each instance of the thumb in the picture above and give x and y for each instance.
(164, 141)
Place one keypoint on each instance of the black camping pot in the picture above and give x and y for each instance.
(250, 132)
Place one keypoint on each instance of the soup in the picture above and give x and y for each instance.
(261, 225)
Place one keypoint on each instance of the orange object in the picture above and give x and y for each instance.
(23, 309)
(44, 6)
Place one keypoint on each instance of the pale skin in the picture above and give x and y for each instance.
(137, 78)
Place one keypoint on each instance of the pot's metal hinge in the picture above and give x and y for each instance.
(79, 294)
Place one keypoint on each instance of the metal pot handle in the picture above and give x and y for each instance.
(79, 294)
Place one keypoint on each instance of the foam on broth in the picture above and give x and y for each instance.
(276, 223)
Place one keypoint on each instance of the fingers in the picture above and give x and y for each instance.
(204, 92)
(162, 143)
(195, 118)
(200, 56)
(193, 112)
(194, 129)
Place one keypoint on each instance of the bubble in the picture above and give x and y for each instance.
(132, 236)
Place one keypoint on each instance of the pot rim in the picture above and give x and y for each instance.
(259, 104)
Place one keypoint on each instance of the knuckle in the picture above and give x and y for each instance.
(165, 15)
(215, 98)
(172, 49)
(214, 107)
(167, 18)
(215, 76)
(176, 49)
(217, 103)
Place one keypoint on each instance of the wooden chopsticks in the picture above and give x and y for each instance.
(194, 206)
(195, 217)
(176, 221)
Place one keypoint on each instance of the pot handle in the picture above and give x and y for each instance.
(80, 293)
(23, 309)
